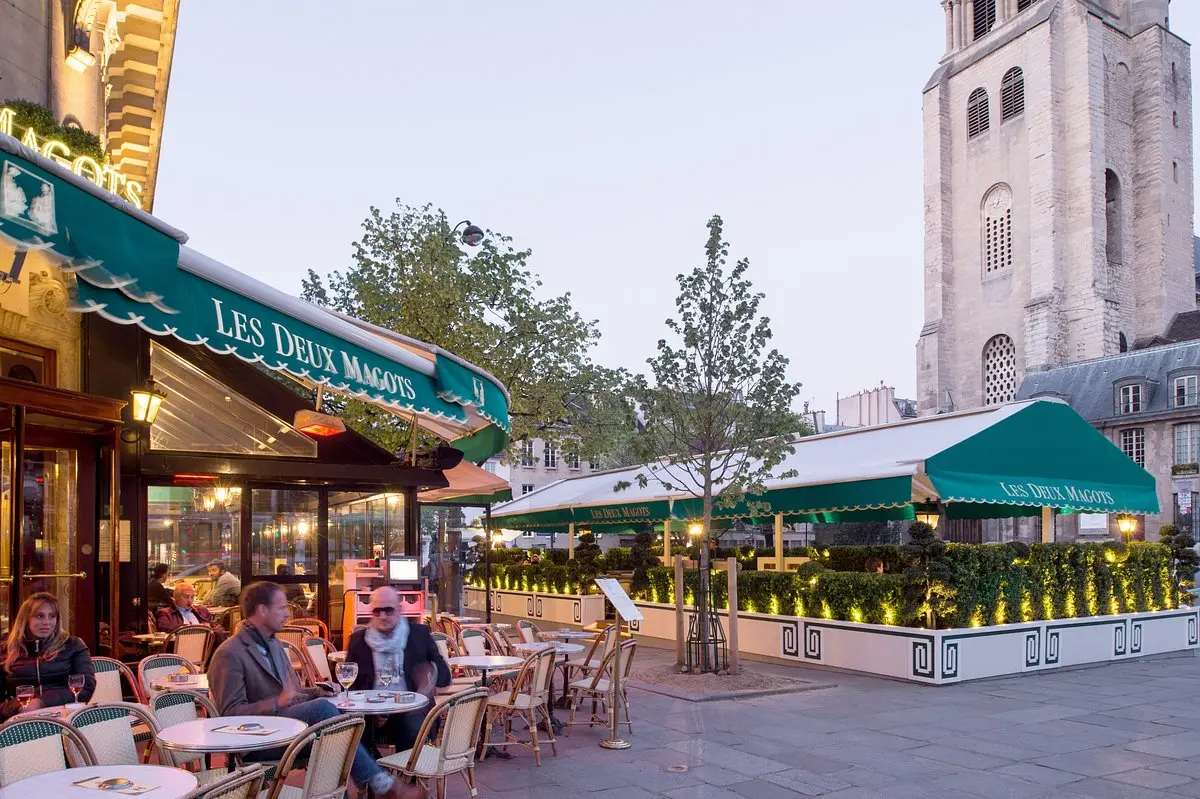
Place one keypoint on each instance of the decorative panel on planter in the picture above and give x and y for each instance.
(949, 656)
(541, 608)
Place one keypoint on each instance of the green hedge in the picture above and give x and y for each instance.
(991, 584)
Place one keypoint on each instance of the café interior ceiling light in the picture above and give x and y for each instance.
(146, 402)
(315, 423)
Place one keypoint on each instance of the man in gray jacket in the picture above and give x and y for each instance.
(226, 586)
(250, 676)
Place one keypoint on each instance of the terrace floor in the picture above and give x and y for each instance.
(1120, 731)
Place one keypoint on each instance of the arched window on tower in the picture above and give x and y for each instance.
(1122, 343)
(1114, 217)
(999, 370)
(1012, 94)
(985, 16)
(978, 116)
(997, 230)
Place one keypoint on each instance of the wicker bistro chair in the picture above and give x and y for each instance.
(602, 647)
(158, 666)
(477, 643)
(315, 627)
(333, 743)
(301, 663)
(108, 730)
(294, 635)
(318, 651)
(599, 688)
(112, 676)
(454, 753)
(245, 783)
(192, 641)
(30, 746)
(529, 699)
(176, 707)
(458, 683)
(528, 631)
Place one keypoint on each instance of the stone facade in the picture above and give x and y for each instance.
(1058, 191)
(537, 463)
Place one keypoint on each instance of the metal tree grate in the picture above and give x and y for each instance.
(707, 647)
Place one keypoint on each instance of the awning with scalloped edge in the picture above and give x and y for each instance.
(132, 269)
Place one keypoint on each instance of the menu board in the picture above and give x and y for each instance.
(619, 599)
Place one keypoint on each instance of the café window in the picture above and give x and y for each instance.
(187, 528)
(361, 526)
(283, 541)
(20, 361)
(204, 415)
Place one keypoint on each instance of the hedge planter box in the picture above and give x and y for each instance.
(550, 608)
(940, 657)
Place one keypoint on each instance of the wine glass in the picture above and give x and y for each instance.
(387, 673)
(24, 695)
(346, 674)
(76, 682)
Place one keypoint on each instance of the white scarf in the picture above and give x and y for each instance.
(389, 649)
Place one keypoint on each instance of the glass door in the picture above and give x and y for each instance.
(54, 546)
(284, 532)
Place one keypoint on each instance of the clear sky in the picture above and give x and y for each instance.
(601, 136)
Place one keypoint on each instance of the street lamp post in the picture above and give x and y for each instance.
(472, 235)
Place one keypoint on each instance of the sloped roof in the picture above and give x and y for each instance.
(1089, 386)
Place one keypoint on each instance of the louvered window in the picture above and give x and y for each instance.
(1023, 4)
(999, 370)
(977, 113)
(1012, 93)
(985, 16)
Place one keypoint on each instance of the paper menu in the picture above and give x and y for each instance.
(119, 785)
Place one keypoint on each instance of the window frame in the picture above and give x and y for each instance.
(549, 455)
(1193, 395)
(1135, 445)
(526, 488)
(1127, 407)
(1191, 435)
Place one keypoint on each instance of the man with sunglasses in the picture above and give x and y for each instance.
(405, 649)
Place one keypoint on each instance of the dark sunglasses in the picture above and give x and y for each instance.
(382, 611)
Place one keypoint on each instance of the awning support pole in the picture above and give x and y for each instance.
(1047, 525)
(487, 562)
(666, 557)
(570, 540)
(779, 542)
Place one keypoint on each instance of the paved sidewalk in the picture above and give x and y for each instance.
(1123, 731)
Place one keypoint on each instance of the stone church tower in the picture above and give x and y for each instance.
(1058, 191)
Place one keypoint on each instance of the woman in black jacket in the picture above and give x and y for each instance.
(39, 652)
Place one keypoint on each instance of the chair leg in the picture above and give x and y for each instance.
(628, 719)
(549, 728)
(441, 788)
(533, 740)
(469, 776)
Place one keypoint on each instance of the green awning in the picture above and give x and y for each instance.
(130, 270)
(829, 499)
(1043, 455)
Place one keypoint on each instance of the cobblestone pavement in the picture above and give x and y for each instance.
(1122, 731)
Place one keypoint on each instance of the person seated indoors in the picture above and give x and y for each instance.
(405, 651)
(158, 595)
(226, 586)
(184, 610)
(40, 653)
(250, 675)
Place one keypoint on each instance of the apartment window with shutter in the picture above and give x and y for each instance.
(977, 113)
(1130, 399)
(550, 456)
(1133, 444)
(1187, 391)
(1012, 93)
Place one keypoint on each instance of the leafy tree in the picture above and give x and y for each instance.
(718, 419)
(1184, 564)
(411, 276)
(587, 557)
(927, 575)
(856, 533)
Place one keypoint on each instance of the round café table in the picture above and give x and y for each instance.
(356, 702)
(171, 783)
(466, 619)
(205, 735)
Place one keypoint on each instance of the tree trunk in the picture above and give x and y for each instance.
(708, 660)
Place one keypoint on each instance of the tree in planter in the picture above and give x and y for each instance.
(587, 560)
(927, 575)
(718, 419)
(1184, 561)
(642, 560)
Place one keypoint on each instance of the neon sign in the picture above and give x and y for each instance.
(85, 166)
